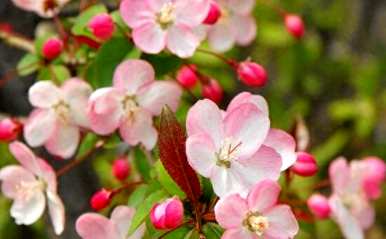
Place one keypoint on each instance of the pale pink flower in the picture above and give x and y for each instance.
(96, 226)
(350, 207)
(44, 8)
(235, 26)
(158, 24)
(59, 114)
(32, 185)
(258, 216)
(132, 102)
(374, 173)
(236, 148)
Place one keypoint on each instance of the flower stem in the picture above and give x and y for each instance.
(230, 62)
(18, 41)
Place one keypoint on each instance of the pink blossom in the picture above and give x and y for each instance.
(214, 13)
(31, 186)
(44, 8)
(158, 24)
(258, 216)
(101, 199)
(349, 205)
(96, 226)
(213, 90)
(52, 48)
(9, 129)
(235, 26)
(319, 206)
(168, 214)
(102, 26)
(236, 148)
(294, 25)
(121, 168)
(305, 165)
(374, 173)
(132, 102)
(252, 74)
(187, 76)
(59, 114)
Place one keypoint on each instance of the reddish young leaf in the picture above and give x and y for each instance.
(173, 156)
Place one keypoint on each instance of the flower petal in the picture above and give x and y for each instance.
(225, 182)
(11, 177)
(205, 118)
(64, 141)
(95, 226)
(131, 75)
(284, 144)
(238, 234)
(56, 211)
(121, 217)
(231, 211)
(201, 154)
(246, 29)
(25, 157)
(158, 94)
(339, 173)
(246, 97)
(138, 127)
(136, 13)
(44, 94)
(247, 125)
(364, 213)
(263, 196)
(191, 13)
(182, 41)
(28, 210)
(39, 127)
(48, 174)
(221, 37)
(282, 222)
(150, 38)
(241, 7)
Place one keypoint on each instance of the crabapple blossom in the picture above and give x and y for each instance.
(319, 206)
(350, 207)
(44, 8)
(374, 170)
(58, 117)
(121, 168)
(52, 48)
(102, 26)
(214, 13)
(96, 226)
(236, 148)
(187, 76)
(294, 25)
(305, 165)
(256, 216)
(32, 186)
(168, 214)
(252, 74)
(235, 26)
(101, 199)
(131, 103)
(212, 90)
(9, 129)
(158, 24)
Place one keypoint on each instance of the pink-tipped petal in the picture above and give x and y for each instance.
(44, 94)
(201, 154)
(11, 177)
(27, 210)
(225, 182)
(56, 211)
(247, 125)
(246, 29)
(136, 13)
(95, 226)
(205, 118)
(48, 174)
(25, 157)
(221, 37)
(131, 75)
(246, 97)
(339, 173)
(121, 217)
(238, 233)
(231, 211)
(364, 213)
(39, 127)
(150, 38)
(158, 94)
(137, 128)
(27, 5)
(191, 13)
(263, 196)
(282, 222)
(284, 144)
(182, 41)
(64, 141)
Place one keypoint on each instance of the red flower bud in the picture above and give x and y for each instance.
(213, 91)
(214, 13)
(252, 74)
(6, 27)
(294, 25)
(319, 206)
(187, 76)
(305, 165)
(121, 168)
(102, 26)
(101, 199)
(9, 129)
(167, 215)
(52, 48)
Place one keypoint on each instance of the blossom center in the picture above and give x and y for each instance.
(166, 15)
(256, 223)
(62, 110)
(129, 104)
(50, 5)
(25, 190)
(227, 153)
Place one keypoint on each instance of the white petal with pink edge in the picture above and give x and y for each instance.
(44, 94)
(201, 154)
(263, 196)
(39, 127)
(231, 211)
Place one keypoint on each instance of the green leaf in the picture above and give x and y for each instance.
(28, 64)
(142, 164)
(58, 73)
(138, 196)
(182, 232)
(144, 208)
(80, 27)
(212, 231)
(87, 144)
(167, 182)
(101, 70)
(163, 63)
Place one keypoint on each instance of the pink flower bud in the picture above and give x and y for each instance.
(52, 48)
(252, 74)
(121, 168)
(374, 176)
(9, 129)
(305, 165)
(318, 205)
(213, 91)
(101, 199)
(187, 76)
(214, 13)
(102, 26)
(168, 214)
(294, 25)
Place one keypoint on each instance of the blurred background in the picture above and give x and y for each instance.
(334, 78)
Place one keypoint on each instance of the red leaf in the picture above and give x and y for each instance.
(173, 156)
